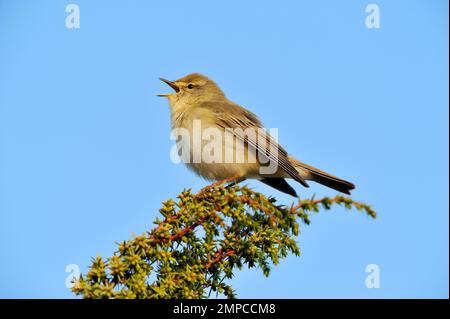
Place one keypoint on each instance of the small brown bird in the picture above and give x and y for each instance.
(197, 98)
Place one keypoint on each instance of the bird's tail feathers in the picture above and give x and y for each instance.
(311, 173)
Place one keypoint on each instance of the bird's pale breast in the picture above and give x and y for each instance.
(208, 150)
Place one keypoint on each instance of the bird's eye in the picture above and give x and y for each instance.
(190, 86)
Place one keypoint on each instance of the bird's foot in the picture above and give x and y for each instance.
(231, 180)
(235, 180)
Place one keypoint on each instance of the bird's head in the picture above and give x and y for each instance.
(193, 88)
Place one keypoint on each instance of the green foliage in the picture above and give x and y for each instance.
(200, 241)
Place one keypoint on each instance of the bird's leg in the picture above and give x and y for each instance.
(235, 180)
(232, 180)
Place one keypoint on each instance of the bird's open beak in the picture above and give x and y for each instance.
(171, 84)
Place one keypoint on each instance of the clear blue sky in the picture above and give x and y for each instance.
(85, 142)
